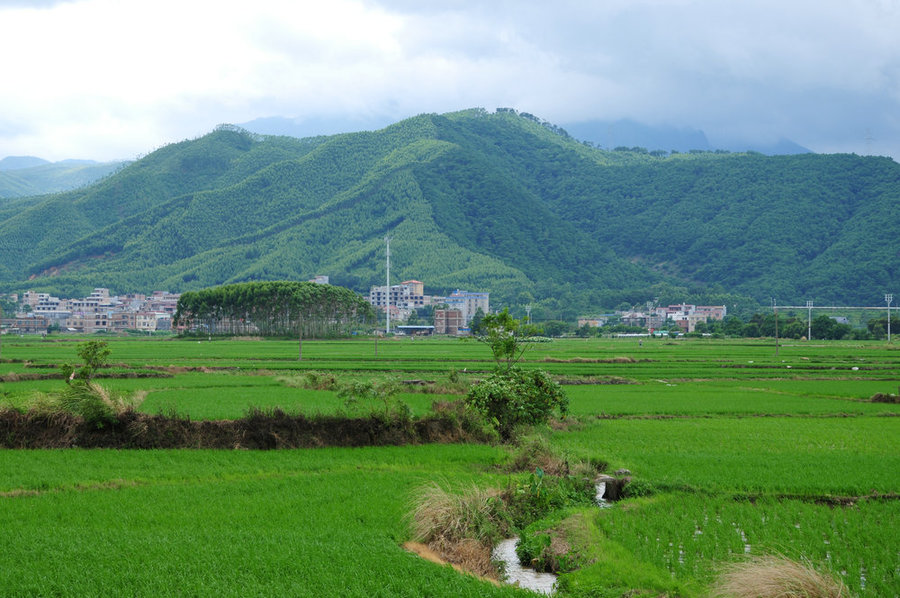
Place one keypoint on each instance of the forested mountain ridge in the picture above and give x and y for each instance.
(500, 202)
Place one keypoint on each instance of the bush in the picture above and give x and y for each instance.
(510, 398)
(540, 494)
(362, 396)
(638, 488)
(453, 524)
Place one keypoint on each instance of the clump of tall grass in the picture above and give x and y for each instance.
(776, 577)
(92, 402)
(441, 516)
(462, 527)
(454, 384)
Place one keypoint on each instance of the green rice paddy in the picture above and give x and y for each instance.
(736, 452)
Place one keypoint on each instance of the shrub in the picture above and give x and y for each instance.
(510, 398)
(638, 488)
(360, 396)
(94, 355)
(541, 493)
(776, 577)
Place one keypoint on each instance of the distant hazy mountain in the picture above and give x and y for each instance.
(18, 162)
(22, 176)
(628, 133)
(501, 202)
(603, 134)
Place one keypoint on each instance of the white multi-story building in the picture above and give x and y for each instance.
(407, 295)
(468, 303)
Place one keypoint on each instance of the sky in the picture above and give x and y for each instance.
(116, 79)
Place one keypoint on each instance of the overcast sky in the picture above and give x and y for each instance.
(115, 79)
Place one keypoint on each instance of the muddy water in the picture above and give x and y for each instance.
(516, 574)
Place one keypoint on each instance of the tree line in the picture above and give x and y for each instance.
(822, 327)
(280, 308)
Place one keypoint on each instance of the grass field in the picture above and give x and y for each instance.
(735, 452)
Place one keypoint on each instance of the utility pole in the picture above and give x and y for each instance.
(387, 319)
(889, 298)
(775, 308)
(528, 312)
(809, 305)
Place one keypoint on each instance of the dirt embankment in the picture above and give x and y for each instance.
(269, 430)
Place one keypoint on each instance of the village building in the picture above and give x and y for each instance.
(98, 312)
(468, 304)
(448, 321)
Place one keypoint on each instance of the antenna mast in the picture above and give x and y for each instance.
(387, 319)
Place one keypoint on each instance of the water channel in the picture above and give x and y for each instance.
(526, 577)
(516, 574)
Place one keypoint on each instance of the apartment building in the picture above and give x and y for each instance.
(467, 303)
(406, 295)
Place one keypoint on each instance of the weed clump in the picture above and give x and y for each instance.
(776, 577)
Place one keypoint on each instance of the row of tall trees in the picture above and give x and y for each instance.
(281, 308)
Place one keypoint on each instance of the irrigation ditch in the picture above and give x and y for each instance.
(504, 532)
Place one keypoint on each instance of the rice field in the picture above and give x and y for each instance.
(733, 452)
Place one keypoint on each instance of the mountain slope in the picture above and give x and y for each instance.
(500, 202)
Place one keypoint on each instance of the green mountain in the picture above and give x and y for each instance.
(500, 202)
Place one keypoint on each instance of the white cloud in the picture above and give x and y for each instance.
(107, 79)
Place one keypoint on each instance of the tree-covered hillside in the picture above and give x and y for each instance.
(498, 202)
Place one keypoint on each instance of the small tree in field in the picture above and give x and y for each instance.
(94, 355)
(511, 397)
(505, 335)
